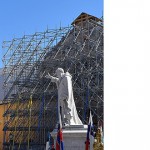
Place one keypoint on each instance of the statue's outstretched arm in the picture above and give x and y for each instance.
(53, 79)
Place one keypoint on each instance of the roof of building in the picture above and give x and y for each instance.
(84, 16)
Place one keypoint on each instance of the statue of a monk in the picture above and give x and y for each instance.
(66, 104)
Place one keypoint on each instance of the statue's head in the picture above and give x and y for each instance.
(59, 72)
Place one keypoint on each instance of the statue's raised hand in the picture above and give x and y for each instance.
(48, 76)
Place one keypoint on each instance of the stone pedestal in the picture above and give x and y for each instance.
(74, 137)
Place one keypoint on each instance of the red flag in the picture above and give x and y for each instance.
(59, 140)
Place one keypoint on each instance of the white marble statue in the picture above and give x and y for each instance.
(66, 104)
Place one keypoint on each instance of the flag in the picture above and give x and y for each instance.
(87, 139)
(90, 134)
(48, 143)
(59, 140)
(48, 146)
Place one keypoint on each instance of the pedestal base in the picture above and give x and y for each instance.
(74, 137)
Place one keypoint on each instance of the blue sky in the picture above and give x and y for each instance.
(19, 17)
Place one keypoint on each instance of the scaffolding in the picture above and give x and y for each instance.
(32, 110)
